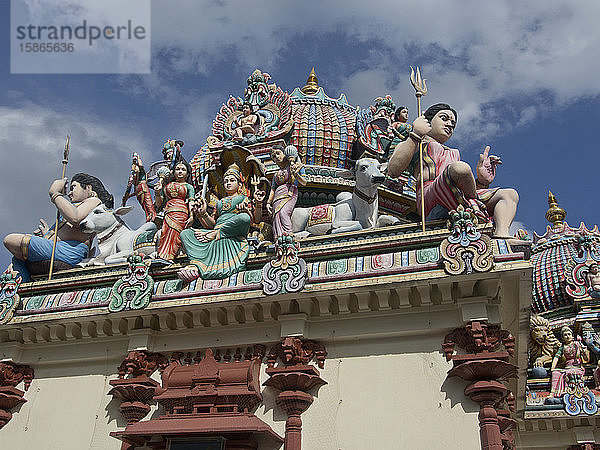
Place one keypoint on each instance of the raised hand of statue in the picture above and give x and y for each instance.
(199, 206)
(421, 126)
(296, 167)
(259, 196)
(42, 228)
(58, 187)
(486, 167)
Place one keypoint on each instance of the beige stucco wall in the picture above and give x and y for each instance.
(385, 394)
(66, 409)
(382, 393)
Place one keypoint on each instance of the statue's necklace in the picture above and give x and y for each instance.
(174, 188)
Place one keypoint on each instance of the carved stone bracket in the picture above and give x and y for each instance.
(286, 273)
(294, 380)
(466, 250)
(485, 366)
(11, 375)
(134, 387)
(134, 289)
(294, 351)
(478, 338)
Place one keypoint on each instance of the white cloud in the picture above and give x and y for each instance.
(475, 55)
(33, 139)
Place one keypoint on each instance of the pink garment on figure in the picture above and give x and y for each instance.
(440, 189)
(573, 364)
(284, 200)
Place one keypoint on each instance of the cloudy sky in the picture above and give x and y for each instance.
(522, 75)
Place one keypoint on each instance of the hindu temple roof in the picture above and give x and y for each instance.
(552, 252)
(325, 128)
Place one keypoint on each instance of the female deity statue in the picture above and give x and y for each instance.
(86, 192)
(575, 355)
(399, 127)
(284, 190)
(220, 249)
(177, 196)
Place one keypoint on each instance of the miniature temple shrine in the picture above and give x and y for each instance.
(316, 275)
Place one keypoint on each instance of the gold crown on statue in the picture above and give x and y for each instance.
(234, 170)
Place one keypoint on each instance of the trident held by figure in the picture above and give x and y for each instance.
(420, 90)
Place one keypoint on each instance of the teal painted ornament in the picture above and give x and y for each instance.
(427, 255)
(9, 299)
(134, 289)
(172, 286)
(252, 276)
(337, 266)
(34, 302)
(101, 295)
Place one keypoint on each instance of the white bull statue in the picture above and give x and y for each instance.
(115, 239)
(351, 211)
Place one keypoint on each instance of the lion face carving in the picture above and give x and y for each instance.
(543, 345)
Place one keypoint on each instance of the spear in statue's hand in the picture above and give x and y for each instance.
(65, 161)
(420, 90)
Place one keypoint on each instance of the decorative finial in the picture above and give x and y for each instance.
(312, 84)
(555, 214)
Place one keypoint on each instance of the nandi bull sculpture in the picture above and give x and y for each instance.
(351, 211)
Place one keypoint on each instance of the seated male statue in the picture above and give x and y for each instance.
(85, 193)
(448, 181)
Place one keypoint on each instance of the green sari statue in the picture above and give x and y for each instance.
(219, 249)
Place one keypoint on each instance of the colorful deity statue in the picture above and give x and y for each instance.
(261, 229)
(284, 189)
(381, 127)
(257, 92)
(171, 151)
(33, 251)
(400, 128)
(247, 125)
(10, 281)
(592, 280)
(176, 195)
(592, 341)
(448, 181)
(574, 355)
(263, 114)
(139, 183)
(220, 248)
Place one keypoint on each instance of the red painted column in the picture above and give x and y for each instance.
(483, 366)
(488, 394)
(294, 380)
(294, 403)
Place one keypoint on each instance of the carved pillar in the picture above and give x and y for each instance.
(134, 387)
(294, 380)
(506, 423)
(484, 368)
(11, 375)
